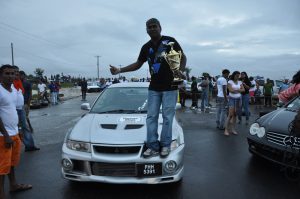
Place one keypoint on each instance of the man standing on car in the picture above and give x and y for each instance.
(161, 90)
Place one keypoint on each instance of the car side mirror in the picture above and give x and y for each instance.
(85, 106)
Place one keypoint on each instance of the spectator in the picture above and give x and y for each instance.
(245, 98)
(210, 90)
(102, 84)
(252, 90)
(194, 90)
(182, 93)
(10, 143)
(57, 88)
(53, 92)
(268, 91)
(204, 92)
(27, 132)
(284, 86)
(235, 88)
(42, 91)
(222, 99)
(83, 85)
(257, 95)
(288, 94)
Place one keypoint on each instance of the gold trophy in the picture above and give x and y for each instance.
(173, 59)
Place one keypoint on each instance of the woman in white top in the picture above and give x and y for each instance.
(235, 87)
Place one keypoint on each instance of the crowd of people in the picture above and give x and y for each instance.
(53, 87)
(237, 91)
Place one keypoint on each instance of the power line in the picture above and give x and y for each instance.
(33, 36)
(48, 59)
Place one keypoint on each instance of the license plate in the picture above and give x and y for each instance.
(149, 169)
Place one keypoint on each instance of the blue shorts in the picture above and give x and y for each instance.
(234, 102)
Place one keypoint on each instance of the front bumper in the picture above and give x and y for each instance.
(283, 156)
(83, 167)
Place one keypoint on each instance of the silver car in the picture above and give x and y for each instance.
(106, 145)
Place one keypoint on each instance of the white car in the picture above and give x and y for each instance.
(93, 87)
(106, 145)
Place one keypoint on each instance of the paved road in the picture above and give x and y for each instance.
(215, 166)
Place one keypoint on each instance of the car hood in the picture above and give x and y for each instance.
(113, 129)
(277, 121)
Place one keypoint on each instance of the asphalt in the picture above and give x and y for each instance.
(215, 166)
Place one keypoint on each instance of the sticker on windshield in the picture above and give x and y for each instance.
(290, 105)
(143, 106)
(131, 119)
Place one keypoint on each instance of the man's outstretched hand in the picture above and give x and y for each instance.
(114, 70)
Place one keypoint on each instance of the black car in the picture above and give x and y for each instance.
(271, 136)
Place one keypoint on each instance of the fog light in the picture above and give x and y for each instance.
(171, 166)
(67, 164)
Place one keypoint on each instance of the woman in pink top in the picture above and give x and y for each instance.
(288, 94)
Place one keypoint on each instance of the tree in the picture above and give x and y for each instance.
(187, 72)
(39, 72)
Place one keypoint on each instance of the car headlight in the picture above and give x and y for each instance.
(79, 146)
(255, 129)
(174, 145)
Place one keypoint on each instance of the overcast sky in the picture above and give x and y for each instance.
(260, 37)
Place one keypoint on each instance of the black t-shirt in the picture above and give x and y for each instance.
(248, 83)
(161, 74)
(83, 85)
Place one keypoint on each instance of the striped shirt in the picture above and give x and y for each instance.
(289, 93)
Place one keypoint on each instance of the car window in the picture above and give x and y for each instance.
(134, 99)
(294, 104)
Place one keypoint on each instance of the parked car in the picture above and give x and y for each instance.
(93, 87)
(106, 145)
(270, 136)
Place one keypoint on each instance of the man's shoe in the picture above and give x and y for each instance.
(150, 153)
(164, 152)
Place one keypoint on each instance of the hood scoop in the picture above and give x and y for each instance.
(134, 126)
(109, 126)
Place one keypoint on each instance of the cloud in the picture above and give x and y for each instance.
(66, 35)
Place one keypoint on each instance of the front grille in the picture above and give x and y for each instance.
(289, 159)
(117, 149)
(281, 139)
(113, 169)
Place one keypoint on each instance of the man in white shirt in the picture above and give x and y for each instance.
(222, 99)
(42, 92)
(10, 143)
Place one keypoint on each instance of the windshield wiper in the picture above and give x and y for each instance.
(123, 111)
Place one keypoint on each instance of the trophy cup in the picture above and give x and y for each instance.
(173, 59)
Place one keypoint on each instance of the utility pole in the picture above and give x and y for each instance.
(12, 53)
(98, 65)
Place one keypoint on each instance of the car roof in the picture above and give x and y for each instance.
(130, 84)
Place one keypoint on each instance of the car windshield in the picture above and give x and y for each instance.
(294, 105)
(122, 100)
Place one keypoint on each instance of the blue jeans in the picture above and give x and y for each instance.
(168, 101)
(204, 98)
(54, 97)
(27, 139)
(221, 112)
(245, 106)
